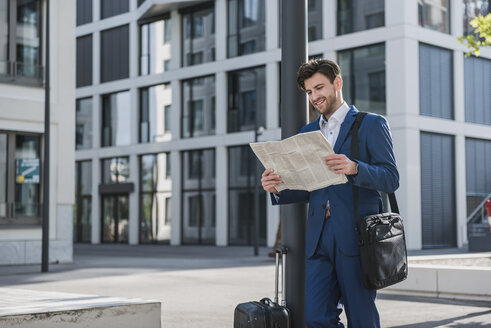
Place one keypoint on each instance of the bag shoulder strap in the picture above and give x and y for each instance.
(354, 156)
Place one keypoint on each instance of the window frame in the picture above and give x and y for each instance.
(11, 75)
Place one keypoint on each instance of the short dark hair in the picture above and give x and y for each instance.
(328, 68)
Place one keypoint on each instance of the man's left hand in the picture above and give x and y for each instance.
(339, 163)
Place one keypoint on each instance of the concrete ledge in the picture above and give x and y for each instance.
(457, 282)
(30, 309)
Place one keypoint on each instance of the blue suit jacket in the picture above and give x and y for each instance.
(377, 171)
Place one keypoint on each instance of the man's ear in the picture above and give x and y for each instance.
(338, 82)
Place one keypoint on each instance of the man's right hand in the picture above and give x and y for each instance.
(270, 181)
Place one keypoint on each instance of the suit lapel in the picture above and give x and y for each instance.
(345, 128)
(313, 126)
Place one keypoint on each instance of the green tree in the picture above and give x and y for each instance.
(481, 36)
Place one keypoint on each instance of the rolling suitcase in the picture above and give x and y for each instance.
(266, 313)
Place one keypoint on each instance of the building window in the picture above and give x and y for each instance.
(155, 47)
(246, 99)
(20, 184)
(434, 14)
(83, 128)
(241, 208)
(155, 195)
(472, 9)
(199, 36)
(478, 172)
(198, 116)
(363, 72)
(82, 227)
(20, 41)
(113, 7)
(115, 170)
(438, 191)
(477, 83)
(84, 12)
(198, 197)
(435, 82)
(115, 46)
(84, 60)
(116, 121)
(314, 20)
(354, 16)
(246, 27)
(153, 115)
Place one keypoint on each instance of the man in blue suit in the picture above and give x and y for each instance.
(333, 273)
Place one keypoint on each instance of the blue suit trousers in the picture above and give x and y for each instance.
(333, 281)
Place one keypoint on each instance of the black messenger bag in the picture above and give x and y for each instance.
(381, 237)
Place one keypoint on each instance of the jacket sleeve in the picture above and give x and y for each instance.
(380, 173)
(289, 197)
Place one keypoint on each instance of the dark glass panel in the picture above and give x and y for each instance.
(247, 99)
(363, 72)
(83, 130)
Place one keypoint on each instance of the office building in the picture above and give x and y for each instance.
(170, 94)
(22, 143)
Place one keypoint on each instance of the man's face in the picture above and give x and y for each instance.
(324, 95)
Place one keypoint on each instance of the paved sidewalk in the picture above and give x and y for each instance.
(200, 286)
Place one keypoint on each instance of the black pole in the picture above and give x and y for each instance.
(293, 117)
(256, 202)
(45, 241)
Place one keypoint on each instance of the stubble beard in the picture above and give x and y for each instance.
(329, 107)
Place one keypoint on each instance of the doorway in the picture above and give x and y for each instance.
(115, 218)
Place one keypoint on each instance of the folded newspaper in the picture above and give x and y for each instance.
(299, 161)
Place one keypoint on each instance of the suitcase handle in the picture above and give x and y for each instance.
(283, 251)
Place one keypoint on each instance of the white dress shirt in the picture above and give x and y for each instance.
(330, 129)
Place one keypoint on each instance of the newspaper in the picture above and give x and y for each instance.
(299, 162)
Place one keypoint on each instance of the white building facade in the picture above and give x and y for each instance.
(22, 99)
(170, 93)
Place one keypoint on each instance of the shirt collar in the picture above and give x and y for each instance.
(339, 115)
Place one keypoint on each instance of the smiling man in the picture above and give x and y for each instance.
(333, 273)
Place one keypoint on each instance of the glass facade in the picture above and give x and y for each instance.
(241, 195)
(27, 191)
(20, 179)
(115, 170)
(314, 20)
(359, 15)
(198, 36)
(246, 27)
(478, 172)
(20, 40)
(28, 38)
(116, 120)
(83, 125)
(434, 14)
(435, 81)
(472, 9)
(246, 99)
(198, 197)
(82, 227)
(84, 12)
(198, 107)
(363, 72)
(155, 47)
(477, 83)
(155, 104)
(155, 196)
(115, 54)
(115, 218)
